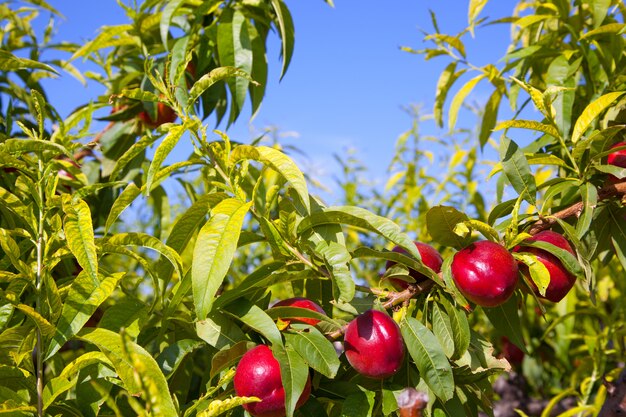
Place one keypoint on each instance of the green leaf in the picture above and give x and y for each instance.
(475, 7)
(136, 149)
(517, 170)
(164, 149)
(150, 242)
(229, 356)
(360, 218)
(294, 374)
(608, 29)
(166, 18)
(253, 316)
(314, 348)
(398, 258)
(235, 50)
(569, 261)
(171, 357)
(459, 98)
(22, 146)
(359, 404)
(428, 355)
(530, 125)
(40, 321)
(441, 222)
(442, 328)
(214, 251)
(490, 116)
(445, 82)
(136, 368)
(506, 320)
(258, 36)
(453, 41)
(538, 271)
(589, 194)
(219, 331)
(215, 75)
(141, 95)
(284, 23)
(125, 199)
(83, 299)
(337, 259)
(80, 235)
(592, 111)
(460, 328)
(219, 407)
(279, 162)
(10, 62)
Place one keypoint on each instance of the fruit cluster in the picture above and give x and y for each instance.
(485, 272)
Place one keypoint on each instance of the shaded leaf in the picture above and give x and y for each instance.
(441, 222)
(314, 348)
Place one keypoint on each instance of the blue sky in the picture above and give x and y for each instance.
(348, 80)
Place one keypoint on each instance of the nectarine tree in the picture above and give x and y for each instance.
(253, 296)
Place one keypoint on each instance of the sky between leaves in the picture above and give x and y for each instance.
(348, 81)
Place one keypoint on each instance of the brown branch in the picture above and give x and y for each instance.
(394, 298)
(576, 209)
(615, 403)
(87, 150)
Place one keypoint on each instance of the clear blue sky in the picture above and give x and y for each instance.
(348, 79)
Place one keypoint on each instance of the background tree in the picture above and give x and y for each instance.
(100, 317)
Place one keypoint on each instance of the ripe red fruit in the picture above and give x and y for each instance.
(617, 158)
(485, 273)
(430, 257)
(561, 280)
(165, 114)
(301, 302)
(258, 375)
(373, 345)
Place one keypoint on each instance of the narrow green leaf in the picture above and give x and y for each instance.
(171, 357)
(40, 321)
(490, 116)
(592, 111)
(539, 274)
(428, 355)
(294, 374)
(517, 170)
(125, 199)
(135, 366)
(219, 331)
(608, 29)
(505, 318)
(162, 151)
(215, 75)
(459, 98)
(589, 194)
(337, 259)
(22, 146)
(570, 262)
(214, 250)
(141, 95)
(359, 404)
(314, 348)
(253, 316)
(442, 329)
(127, 313)
(229, 356)
(279, 162)
(83, 298)
(136, 149)
(284, 23)
(80, 235)
(258, 37)
(219, 407)
(10, 62)
(166, 18)
(475, 7)
(460, 328)
(445, 82)
(529, 124)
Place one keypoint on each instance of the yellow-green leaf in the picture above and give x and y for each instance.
(80, 235)
(592, 111)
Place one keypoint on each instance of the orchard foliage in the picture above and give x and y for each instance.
(102, 316)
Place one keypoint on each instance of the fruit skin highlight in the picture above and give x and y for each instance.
(373, 345)
(485, 273)
(301, 302)
(430, 257)
(258, 375)
(561, 280)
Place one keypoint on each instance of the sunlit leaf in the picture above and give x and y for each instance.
(592, 111)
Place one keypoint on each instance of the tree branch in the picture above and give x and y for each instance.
(576, 209)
